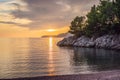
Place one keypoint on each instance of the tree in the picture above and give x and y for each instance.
(107, 16)
(117, 4)
(107, 11)
(102, 19)
(77, 26)
(92, 21)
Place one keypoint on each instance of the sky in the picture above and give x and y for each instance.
(34, 18)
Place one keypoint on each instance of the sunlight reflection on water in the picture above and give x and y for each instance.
(32, 57)
(51, 65)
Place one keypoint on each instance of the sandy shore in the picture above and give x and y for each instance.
(105, 75)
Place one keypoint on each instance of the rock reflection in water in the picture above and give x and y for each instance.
(97, 59)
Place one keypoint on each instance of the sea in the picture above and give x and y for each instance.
(33, 57)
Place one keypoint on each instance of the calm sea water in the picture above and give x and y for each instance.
(41, 57)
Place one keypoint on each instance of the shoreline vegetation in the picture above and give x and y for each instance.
(100, 28)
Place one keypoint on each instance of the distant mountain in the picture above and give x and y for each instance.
(48, 36)
(62, 35)
(59, 35)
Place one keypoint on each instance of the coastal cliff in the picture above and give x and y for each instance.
(102, 22)
(106, 41)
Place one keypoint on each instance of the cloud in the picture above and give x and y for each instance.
(44, 14)
(65, 6)
(54, 13)
(7, 22)
(9, 6)
(13, 5)
(12, 30)
(11, 19)
(16, 21)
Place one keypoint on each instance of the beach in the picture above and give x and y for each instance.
(104, 75)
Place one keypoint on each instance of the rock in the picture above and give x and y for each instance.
(67, 41)
(84, 42)
(103, 41)
(106, 41)
(116, 47)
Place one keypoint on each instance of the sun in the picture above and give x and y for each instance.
(51, 30)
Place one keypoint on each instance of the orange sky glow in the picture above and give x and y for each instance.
(15, 31)
(36, 18)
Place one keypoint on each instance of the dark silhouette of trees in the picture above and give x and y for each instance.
(102, 19)
(77, 26)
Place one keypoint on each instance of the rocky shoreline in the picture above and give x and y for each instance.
(106, 41)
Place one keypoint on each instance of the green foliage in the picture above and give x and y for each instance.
(117, 5)
(102, 19)
(107, 12)
(92, 20)
(77, 26)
